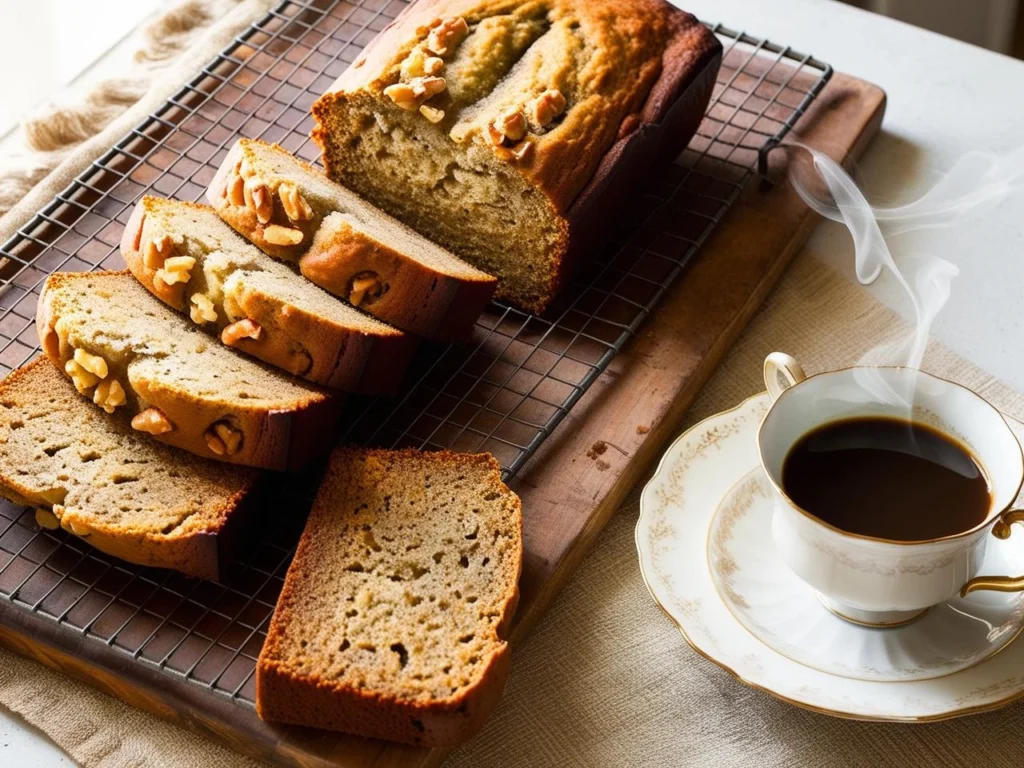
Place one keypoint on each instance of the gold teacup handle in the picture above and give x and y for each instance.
(1001, 530)
(780, 364)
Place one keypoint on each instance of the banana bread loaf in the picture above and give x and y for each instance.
(123, 349)
(345, 245)
(94, 476)
(508, 130)
(191, 260)
(394, 612)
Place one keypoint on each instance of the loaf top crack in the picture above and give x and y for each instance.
(480, 122)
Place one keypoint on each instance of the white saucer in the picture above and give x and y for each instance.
(704, 541)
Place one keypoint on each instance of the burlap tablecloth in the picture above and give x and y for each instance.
(605, 679)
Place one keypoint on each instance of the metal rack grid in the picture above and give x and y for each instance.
(504, 392)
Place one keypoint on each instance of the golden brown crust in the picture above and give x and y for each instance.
(188, 549)
(419, 298)
(305, 344)
(622, 65)
(274, 439)
(284, 694)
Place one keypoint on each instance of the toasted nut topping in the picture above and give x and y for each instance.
(153, 421)
(84, 381)
(425, 28)
(157, 250)
(258, 198)
(201, 309)
(94, 364)
(444, 37)
(425, 87)
(418, 64)
(235, 189)
(295, 206)
(433, 115)
(366, 288)
(177, 269)
(241, 329)
(509, 127)
(223, 439)
(547, 107)
(109, 395)
(46, 519)
(523, 151)
(403, 96)
(275, 234)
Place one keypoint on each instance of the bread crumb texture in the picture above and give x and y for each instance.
(523, 100)
(106, 482)
(394, 610)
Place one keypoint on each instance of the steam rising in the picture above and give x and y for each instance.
(976, 182)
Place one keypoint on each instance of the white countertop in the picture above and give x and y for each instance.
(945, 98)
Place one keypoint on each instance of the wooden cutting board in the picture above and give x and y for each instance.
(580, 474)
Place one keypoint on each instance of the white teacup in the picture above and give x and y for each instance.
(875, 581)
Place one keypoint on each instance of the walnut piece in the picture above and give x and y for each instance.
(177, 269)
(432, 115)
(235, 189)
(94, 364)
(403, 96)
(258, 198)
(418, 64)
(365, 288)
(508, 127)
(46, 519)
(109, 395)
(83, 380)
(546, 107)
(295, 206)
(223, 439)
(275, 234)
(153, 421)
(443, 38)
(201, 309)
(241, 329)
(157, 250)
(426, 87)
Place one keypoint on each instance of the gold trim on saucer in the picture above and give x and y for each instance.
(882, 624)
(971, 710)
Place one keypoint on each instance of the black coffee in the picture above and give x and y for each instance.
(886, 478)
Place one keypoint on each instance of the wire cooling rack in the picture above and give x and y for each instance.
(504, 392)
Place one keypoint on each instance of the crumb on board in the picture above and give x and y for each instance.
(642, 429)
(602, 465)
(597, 449)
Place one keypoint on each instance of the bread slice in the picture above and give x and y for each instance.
(348, 247)
(394, 612)
(185, 255)
(126, 350)
(510, 131)
(94, 476)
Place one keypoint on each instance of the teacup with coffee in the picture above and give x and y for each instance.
(888, 484)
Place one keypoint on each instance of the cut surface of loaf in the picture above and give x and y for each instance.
(186, 256)
(94, 476)
(392, 619)
(484, 123)
(125, 350)
(345, 245)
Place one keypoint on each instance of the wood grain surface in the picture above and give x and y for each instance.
(579, 476)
